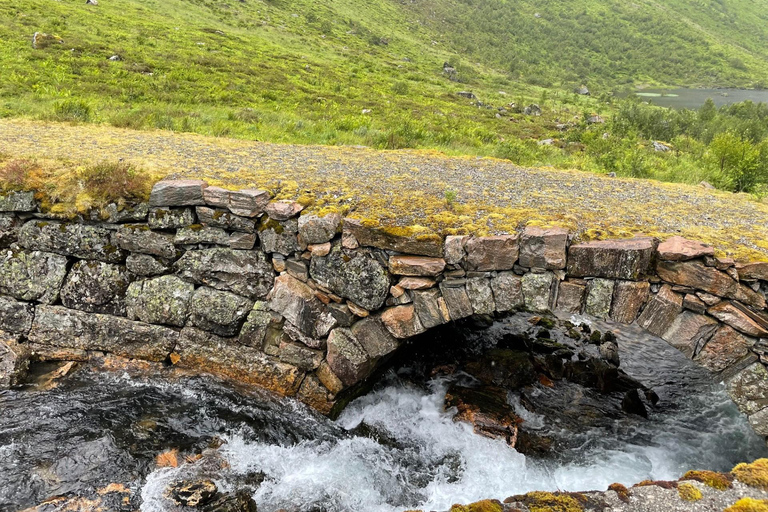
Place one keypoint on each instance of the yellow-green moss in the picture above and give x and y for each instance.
(550, 502)
(689, 492)
(748, 505)
(479, 506)
(719, 481)
(754, 474)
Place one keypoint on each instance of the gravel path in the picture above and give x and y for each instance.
(418, 187)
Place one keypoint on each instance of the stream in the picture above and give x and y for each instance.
(393, 449)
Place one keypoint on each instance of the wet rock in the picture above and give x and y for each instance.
(457, 301)
(205, 352)
(570, 296)
(609, 351)
(415, 266)
(599, 298)
(346, 358)
(313, 393)
(480, 295)
(138, 238)
(170, 218)
(69, 328)
(402, 321)
(298, 303)
(538, 291)
(358, 277)
(32, 276)
(661, 311)
(178, 193)
(503, 367)
(632, 403)
(729, 313)
(283, 210)
(487, 410)
(15, 317)
(492, 252)
(96, 287)
(612, 259)
(319, 230)
(422, 245)
(689, 331)
(18, 202)
(145, 265)
(454, 252)
(202, 235)
(218, 312)
(678, 248)
(246, 273)
(219, 218)
(724, 349)
(192, 493)
(507, 288)
(78, 240)
(14, 361)
(543, 248)
(9, 229)
(162, 300)
(629, 297)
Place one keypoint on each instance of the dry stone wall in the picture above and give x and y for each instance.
(234, 284)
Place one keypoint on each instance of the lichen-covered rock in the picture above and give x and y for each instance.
(201, 235)
(725, 348)
(9, 229)
(275, 239)
(146, 265)
(69, 328)
(611, 259)
(629, 297)
(756, 270)
(599, 296)
(217, 218)
(207, 353)
(18, 202)
(283, 209)
(403, 265)
(32, 276)
(492, 252)
(347, 358)
(454, 252)
(246, 273)
(357, 276)
(300, 356)
(170, 218)
(115, 214)
(138, 238)
(749, 389)
(318, 230)
(543, 248)
(570, 296)
(538, 291)
(245, 202)
(218, 312)
(178, 193)
(79, 240)
(297, 302)
(689, 332)
(14, 361)
(426, 244)
(661, 311)
(454, 292)
(254, 329)
(313, 393)
(245, 241)
(507, 290)
(427, 307)
(402, 322)
(16, 317)
(480, 295)
(162, 300)
(96, 287)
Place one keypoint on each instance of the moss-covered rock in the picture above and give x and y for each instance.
(69, 239)
(162, 300)
(32, 276)
(246, 273)
(217, 311)
(96, 287)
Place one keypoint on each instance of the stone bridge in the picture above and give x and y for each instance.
(234, 284)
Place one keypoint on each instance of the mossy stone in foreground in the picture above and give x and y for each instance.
(754, 474)
(748, 505)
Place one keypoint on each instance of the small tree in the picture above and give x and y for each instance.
(739, 165)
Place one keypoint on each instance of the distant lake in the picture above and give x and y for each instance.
(694, 98)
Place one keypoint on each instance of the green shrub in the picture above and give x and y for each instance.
(72, 110)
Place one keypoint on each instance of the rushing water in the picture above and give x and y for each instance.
(694, 98)
(393, 449)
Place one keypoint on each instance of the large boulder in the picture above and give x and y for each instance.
(15, 317)
(492, 252)
(246, 273)
(138, 238)
(96, 287)
(162, 300)
(543, 248)
(79, 240)
(18, 202)
(218, 312)
(357, 276)
(318, 230)
(32, 276)
(68, 328)
(178, 193)
(426, 244)
(611, 259)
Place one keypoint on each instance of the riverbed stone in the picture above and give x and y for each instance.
(14, 361)
(246, 273)
(749, 389)
(170, 218)
(611, 259)
(18, 202)
(146, 266)
(198, 234)
(69, 239)
(357, 276)
(15, 316)
(403, 265)
(69, 328)
(346, 358)
(725, 348)
(402, 321)
(297, 302)
(570, 296)
(427, 308)
(96, 287)
(678, 248)
(629, 297)
(217, 311)
(178, 193)
(138, 238)
(538, 291)
(661, 311)
(32, 276)
(599, 297)
(689, 331)
(728, 313)
(10, 225)
(162, 300)
(492, 252)
(481, 295)
(422, 244)
(457, 301)
(374, 338)
(454, 252)
(208, 353)
(314, 229)
(543, 248)
(220, 218)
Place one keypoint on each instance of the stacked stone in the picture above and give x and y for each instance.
(238, 285)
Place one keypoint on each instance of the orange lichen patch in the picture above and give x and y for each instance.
(748, 505)
(621, 490)
(689, 492)
(114, 487)
(69, 504)
(479, 506)
(754, 474)
(719, 481)
(174, 358)
(168, 459)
